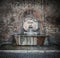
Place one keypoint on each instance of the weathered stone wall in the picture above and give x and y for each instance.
(12, 11)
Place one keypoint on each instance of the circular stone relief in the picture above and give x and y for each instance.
(30, 22)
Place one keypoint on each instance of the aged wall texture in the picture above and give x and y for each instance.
(47, 12)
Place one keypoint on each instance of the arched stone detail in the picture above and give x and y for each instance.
(35, 13)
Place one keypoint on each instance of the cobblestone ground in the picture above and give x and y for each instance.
(29, 55)
(9, 51)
